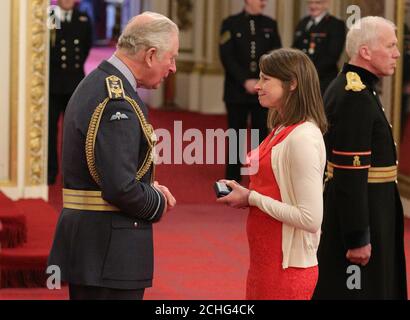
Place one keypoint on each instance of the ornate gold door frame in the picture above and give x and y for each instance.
(37, 89)
(28, 99)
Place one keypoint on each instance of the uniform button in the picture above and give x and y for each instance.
(384, 110)
(397, 182)
(64, 66)
(63, 49)
(77, 49)
(395, 144)
(64, 58)
(76, 41)
(63, 42)
(77, 57)
(77, 66)
(135, 224)
(391, 126)
(397, 163)
(374, 93)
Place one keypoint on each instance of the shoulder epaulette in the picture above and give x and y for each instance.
(225, 37)
(115, 88)
(354, 82)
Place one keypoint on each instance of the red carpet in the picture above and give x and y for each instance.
(13, 231)
(25, 266)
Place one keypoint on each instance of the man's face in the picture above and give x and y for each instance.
(317, 7)
(256, 6)
(384, 53)
(66, 4)
(162, 65)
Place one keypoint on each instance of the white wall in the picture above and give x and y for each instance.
(5, 27)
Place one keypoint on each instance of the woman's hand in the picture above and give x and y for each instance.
(238, 198)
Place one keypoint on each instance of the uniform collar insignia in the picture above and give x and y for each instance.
(115, 88)
(354, 82)
(225, 37)
(119, 116)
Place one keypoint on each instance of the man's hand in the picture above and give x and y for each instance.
(250, 86)
(239, 196)
(171, 202)
(360, 256)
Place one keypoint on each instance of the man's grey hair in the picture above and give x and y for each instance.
(364, 32)
(153, 33)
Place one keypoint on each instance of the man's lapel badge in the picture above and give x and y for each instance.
(115, 88)
(354, 82)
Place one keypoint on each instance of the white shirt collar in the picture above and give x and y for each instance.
(318, 19)
(63, 14)
(122, 67)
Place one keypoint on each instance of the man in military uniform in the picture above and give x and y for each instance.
(361, 252)
(103, 242)
(321, 36)
(69, 49)
(245, 37)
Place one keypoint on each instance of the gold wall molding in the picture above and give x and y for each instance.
(36, 92)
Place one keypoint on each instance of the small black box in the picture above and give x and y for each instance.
(221, 189)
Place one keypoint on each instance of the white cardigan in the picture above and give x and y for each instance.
(298, 163)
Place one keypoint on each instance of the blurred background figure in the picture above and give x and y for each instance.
(322, 37)
(69, 49)
(245, 37)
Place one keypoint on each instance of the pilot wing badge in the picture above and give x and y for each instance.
(119, 116)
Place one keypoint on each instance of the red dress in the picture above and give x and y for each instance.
(267, 280)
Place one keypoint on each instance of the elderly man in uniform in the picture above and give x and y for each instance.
(245, 37)
(361, 253)
(69, 49)
(103, 242)
(321, 36)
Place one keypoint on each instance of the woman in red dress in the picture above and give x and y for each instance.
(285, 193)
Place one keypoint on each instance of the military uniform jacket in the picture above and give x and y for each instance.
(69, 49)
(111, 249)
(361, 201)
(323, 43)
(244, 39)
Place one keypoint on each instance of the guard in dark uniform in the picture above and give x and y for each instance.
(322, 37)
(245, 37)
(362, 206)
(69, 49)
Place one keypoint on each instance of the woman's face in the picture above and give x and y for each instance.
(270, 91)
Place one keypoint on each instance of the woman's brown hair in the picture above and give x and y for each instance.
(305, 101)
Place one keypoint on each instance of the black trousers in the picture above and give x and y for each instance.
(238, 114)
(78, 292)
(58, 104)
